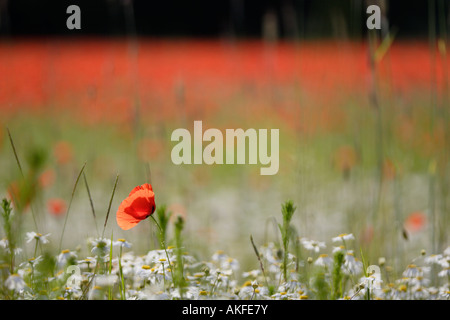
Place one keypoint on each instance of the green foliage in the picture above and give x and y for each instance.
(179, 225)
(163, 217)
(8, 228)
(337, 275)
(321, 286)
(287, 210)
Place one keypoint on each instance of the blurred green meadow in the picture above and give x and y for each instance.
(349, 166)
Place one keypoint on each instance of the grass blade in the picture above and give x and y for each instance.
(259, 259)
(23, 176)
(70, 204)
(90, 201)
(110, 202)
(15, 153)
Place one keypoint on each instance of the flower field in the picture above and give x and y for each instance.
(93, 208)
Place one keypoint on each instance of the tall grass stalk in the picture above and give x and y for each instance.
(68, 208)
(337, 275)
(179, 225)
(22, 174)
(110, 296)
(261, 265)
(91, 203)
(287, 210)
(109, 206)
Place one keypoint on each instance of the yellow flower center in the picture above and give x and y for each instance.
(303, 297)
(65, 251)
(145, 267)
(203, 293)
(121, 240)
(247, 284)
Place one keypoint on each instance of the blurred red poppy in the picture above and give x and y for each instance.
(139, 205)
(415, 221)
(21, 194)
(62, 152)
(56, 206)
(47, 178)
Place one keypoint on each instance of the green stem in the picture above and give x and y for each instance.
(163, 244)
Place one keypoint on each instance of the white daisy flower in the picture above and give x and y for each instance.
(447, 251)
(324, 261)
(343, 237)
(444, 273)
(252, 274)
(15, 282)
(338, 249)
(433, 259)
(30, 236)
(412, 271)
(352, 265)
(312, 245)
(64, 257)
(122, 243)
(101, 247)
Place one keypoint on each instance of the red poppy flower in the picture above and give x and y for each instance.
(63, 152)
(139, 205)
(415, 221)
(56, 207)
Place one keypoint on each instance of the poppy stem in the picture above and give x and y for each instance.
(163, 244)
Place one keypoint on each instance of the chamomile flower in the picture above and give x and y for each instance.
(230, 264)
(15, 282)
(96, 293)
(447, 252)
(100, 247)
(433, 259)
(283, 296)
(420, 281)
(444, 273)
(219, 256)
(87, 263)
(122, 243)
(312, 245)
(106, 280)
(352, 266)
(412, 271)
(155, 256)
(324, 261)
(30, 236)
(4, 243)
(64, 257)
(419, 293)
(252, 274)
(343, 237)
(338, 249)
(145, 271)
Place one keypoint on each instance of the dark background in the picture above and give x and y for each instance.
(212, 18)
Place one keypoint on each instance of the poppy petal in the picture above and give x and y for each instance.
(136, 207)
(126, 221)
(145, 186)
